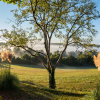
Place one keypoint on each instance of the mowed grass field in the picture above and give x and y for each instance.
(71, 84)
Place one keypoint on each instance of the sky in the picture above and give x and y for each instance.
(5, 23)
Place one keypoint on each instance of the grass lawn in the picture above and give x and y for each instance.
(71, 84)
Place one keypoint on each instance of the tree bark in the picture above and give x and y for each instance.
(52, 83)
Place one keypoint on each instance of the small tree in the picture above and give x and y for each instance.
(67, 20)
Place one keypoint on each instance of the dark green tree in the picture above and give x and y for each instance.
(70, 60)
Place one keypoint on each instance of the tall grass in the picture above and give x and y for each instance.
(95, 94)
(8, 81)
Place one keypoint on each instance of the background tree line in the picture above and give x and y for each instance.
(82, 58)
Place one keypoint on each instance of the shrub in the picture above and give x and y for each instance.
(8, 81)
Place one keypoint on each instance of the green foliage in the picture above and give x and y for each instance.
(17, 60)
(82, 59)
(35, 60)
(54, 57)
(18, 2)
(74, 18)
(70, 60)
(63, 60)
(26, 59)
(8, 81)
(85, 59)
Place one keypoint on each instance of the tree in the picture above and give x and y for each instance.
(67, 20)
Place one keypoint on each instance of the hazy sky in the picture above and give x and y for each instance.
(5, 15)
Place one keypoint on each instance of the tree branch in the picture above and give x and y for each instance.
(34, 14)
(68, 39)
(31, 54)
(37, 57)
(61, 54)
(74, 32)
(29, 48)
(37, 51)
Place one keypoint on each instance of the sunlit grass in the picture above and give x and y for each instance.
(70, 84)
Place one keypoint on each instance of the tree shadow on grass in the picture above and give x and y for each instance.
(56, 92)
(26, 92)
(31, 91)
(16, 95)
(44, 90)
(35, 91)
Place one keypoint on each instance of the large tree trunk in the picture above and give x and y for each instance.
(52, 83)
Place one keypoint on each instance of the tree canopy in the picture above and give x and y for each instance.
(12, 1)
